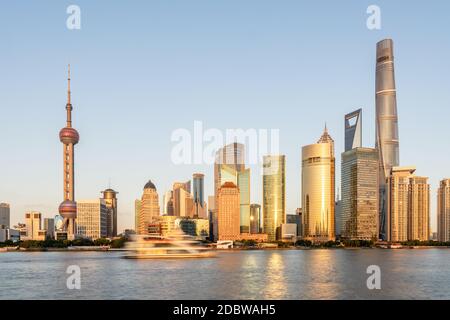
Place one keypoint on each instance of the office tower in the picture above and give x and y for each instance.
(198, 195)
(168, 209)
(92, 219)
(318, 184)
(183, 203)
(386, 126)
(149, 207)
(49, 226)
(5, 214)
(212, 216)
(299, 213)
(137, 211)
(69, 137)
(359, 216)
(443, 211)
(353, 130)
(419, 209)
(337, 217)
(255, 218)
(274, 195)
(229, 166)
(228, 212)
(33, 220)
(109, 195)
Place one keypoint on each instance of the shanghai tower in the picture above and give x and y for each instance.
(386, 126)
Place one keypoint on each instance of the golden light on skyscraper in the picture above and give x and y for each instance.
(318, 168)
(149, 208)
(274, 194)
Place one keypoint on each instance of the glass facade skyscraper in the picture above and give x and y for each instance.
(359, 185)
(318, 184)
(274, 195)
(386, 126)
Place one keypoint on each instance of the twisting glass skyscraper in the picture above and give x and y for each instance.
(386, 126)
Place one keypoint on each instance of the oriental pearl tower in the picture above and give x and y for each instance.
(69, 137)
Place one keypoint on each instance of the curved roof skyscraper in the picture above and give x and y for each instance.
(386, 126)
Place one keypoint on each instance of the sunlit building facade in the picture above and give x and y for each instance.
(408, 206)
(318, 185)
(398, 201)
(92, 219)
(228, 212)
(149, 208)
(274, 195)
(386, 124)
(359, 184)
(419, 209)
(443, 210)
(255, 218)
(110, 197)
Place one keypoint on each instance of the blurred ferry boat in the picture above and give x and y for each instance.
(175, 245)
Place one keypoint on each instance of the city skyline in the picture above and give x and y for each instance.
(96, 163)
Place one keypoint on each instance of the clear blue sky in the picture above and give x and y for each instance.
(141, 69)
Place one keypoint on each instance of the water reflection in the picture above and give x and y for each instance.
(275, 282)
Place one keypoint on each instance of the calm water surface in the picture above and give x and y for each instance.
(269, 274)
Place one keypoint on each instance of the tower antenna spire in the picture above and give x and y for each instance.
(69, 103)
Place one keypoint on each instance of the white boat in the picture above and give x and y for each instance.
(177, 245)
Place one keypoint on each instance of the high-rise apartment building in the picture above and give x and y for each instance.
(5, 214)
(408, 206)
(318, 189)
(443, 211)
(228, 212)
(274, 195)
(149, 208)
(359, 184)
(386, 124)
(419, 209)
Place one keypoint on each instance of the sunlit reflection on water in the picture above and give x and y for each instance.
(268, 274)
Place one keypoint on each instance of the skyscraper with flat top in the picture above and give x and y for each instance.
(359, 207)
(386, 125)
(318, 183)
(4, 214)
(443, 208)
(274, 195)
(228, 212)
